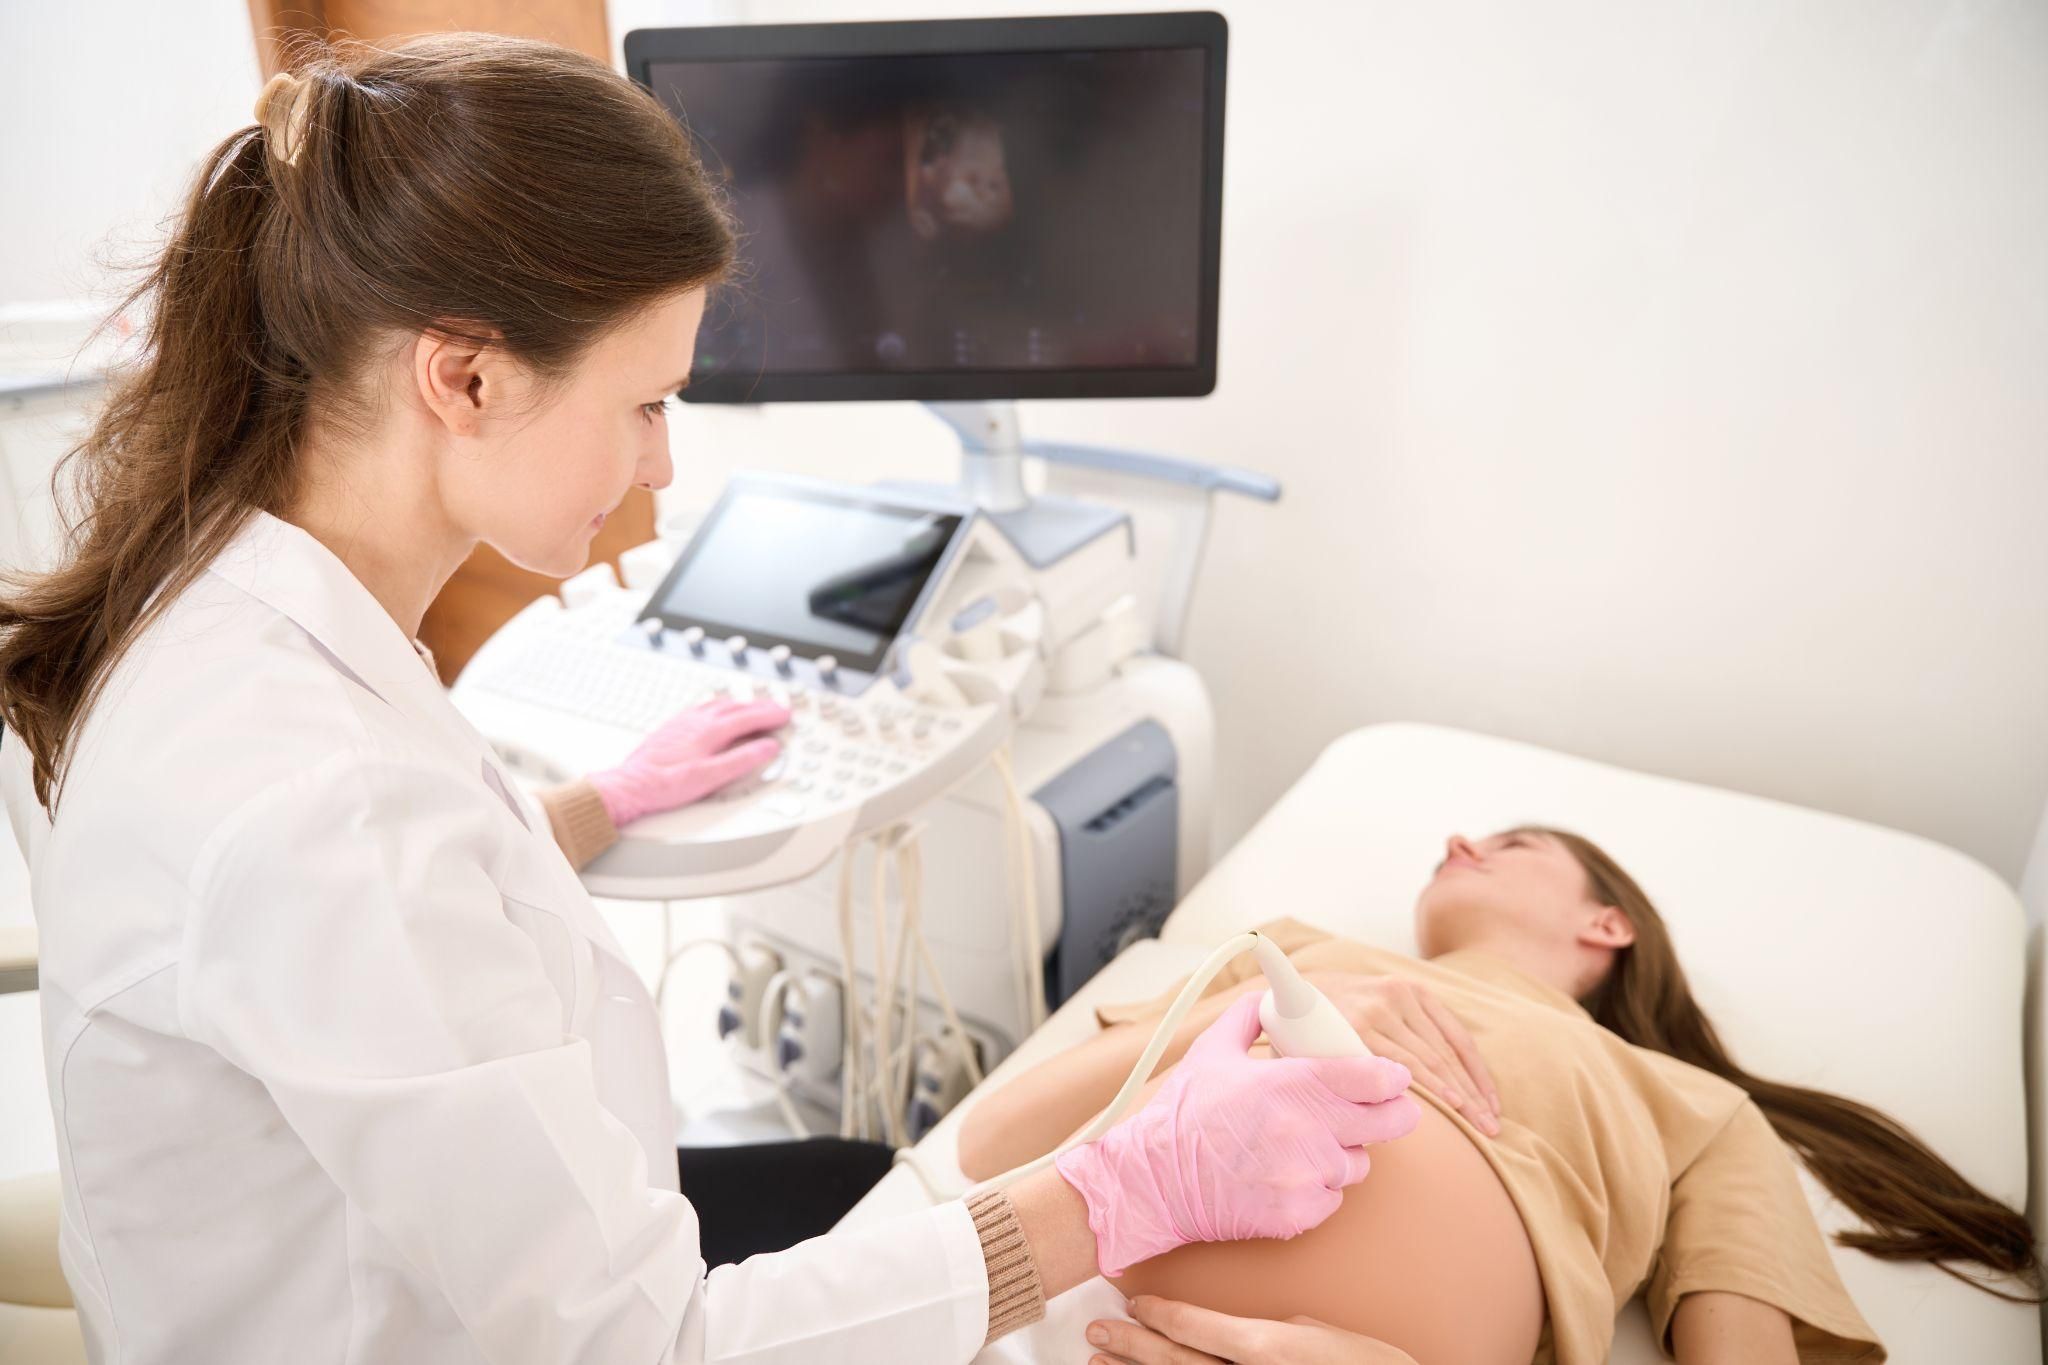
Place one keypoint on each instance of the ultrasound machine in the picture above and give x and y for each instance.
(987, 699)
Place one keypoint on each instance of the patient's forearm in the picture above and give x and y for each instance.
(1715, 1328)
(1031, 1115)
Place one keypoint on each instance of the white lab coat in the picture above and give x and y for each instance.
(346, 1066)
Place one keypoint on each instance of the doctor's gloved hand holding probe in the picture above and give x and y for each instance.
(1230, 1148)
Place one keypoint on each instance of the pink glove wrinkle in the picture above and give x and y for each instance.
(691, 756)
(1234, 1147)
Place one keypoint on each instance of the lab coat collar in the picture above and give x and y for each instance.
(289, 569)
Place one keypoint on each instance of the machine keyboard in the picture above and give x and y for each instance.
(631, 689)
(835, 748)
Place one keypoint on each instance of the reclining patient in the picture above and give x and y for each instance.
(1583, 1136)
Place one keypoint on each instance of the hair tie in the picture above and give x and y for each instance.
(281, 109)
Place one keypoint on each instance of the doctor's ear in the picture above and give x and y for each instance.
(459, 379)
(1609, 928)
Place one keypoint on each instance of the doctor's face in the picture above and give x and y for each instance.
(1529, 885)
(583, 445)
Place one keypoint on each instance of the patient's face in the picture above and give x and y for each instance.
(1528, 884)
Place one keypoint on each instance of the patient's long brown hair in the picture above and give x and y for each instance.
(488, 188)
(1917, 1206)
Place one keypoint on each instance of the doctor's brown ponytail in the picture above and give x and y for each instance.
(1914, 1205)
(489, 188)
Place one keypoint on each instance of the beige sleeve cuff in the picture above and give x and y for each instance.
(1016, 1298)
(582, 826)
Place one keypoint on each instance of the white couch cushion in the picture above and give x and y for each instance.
(1828, 952)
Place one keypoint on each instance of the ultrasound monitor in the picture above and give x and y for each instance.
(957, 209)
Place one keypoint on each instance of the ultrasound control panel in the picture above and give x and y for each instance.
(791, 592)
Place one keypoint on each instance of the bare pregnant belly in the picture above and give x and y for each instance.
(1427, 1254)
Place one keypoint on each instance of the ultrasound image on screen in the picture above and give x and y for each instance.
(957, 213)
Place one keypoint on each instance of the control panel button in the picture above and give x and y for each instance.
(693, 636)
(737, 645)
(779, 656)
(828, 670)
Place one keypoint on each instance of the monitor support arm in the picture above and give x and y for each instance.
(993, 448)
(992, 452)
(1170, 500)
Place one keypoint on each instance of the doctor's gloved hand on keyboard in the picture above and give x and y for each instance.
(692, 755)
(1235, 1147)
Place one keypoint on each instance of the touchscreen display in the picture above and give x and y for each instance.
(820, 575)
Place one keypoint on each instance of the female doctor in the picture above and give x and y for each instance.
(344, 1064)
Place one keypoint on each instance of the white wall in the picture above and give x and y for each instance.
(1662, 383)
(105, 110)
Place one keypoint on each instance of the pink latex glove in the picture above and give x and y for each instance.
(688, 758)
(1233, 1146)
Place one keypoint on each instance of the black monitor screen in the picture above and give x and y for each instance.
(846, 592)
(946, 225)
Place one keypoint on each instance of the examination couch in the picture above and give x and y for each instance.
(1828, 952)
